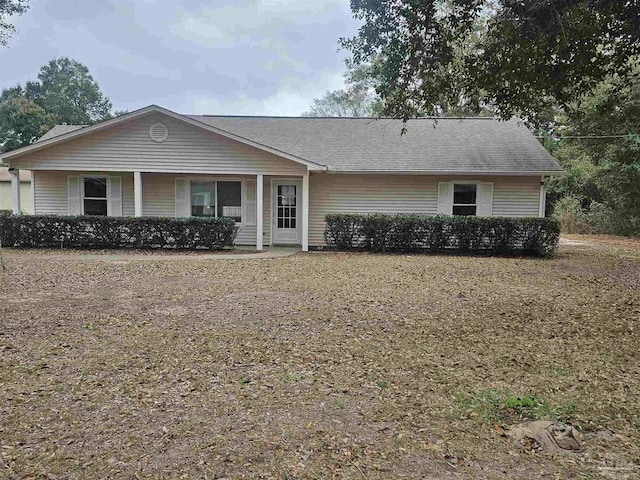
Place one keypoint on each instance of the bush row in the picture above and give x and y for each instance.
(440, 233)
(116, 232)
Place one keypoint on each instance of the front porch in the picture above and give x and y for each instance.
(268, 209)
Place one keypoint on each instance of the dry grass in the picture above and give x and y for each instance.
(314, 366)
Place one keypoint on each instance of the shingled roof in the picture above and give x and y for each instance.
(59, 130)
(429, 145)
(372, 145)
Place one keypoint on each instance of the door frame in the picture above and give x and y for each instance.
(272, 210)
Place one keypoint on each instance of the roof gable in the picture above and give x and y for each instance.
(76, 131)
(131, 146)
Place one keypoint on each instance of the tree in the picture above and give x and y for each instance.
(514, 57)
(341, 103)
(22, 121)
(599, 147)
(357, 100)
(64, 92)
(9, 8)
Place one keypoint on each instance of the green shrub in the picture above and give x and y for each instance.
(116, 232)
(603, 219)
(421, 233)
(342, 231)
(569, 213)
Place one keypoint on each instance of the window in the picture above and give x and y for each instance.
(216, 199)
(94, 199)
(464, 199)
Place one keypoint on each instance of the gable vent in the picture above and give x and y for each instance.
(158, 132)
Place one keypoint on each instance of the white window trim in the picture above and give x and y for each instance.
(243, 203)
(465, 182)
(106, 198)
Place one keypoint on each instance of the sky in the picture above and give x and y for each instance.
(224, 57)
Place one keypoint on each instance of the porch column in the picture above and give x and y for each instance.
(137, 193)
(14, 173)
(543, 198)
(259, 209)
(305, 212)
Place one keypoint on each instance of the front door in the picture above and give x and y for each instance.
(285, 213)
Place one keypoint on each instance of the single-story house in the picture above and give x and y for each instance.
(278, 177)
(25, 190)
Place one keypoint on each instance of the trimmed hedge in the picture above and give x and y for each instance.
(116, 232)
(442, 233)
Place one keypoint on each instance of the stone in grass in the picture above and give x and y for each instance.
(550, 437)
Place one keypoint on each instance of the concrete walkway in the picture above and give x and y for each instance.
(567, 241)
(269, 252)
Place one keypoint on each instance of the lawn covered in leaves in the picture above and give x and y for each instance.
(318, 365)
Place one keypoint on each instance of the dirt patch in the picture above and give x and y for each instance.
(314, 366)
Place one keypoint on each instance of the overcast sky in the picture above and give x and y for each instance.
(244, 57)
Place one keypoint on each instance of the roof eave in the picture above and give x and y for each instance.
(504, 173)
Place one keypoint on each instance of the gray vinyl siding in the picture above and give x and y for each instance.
(25, 196)
(336, 193)
(516, 197)
(51, 197)
(128, 203)
(188, 149)
(346, 193)
(158, 195)
(50, 193)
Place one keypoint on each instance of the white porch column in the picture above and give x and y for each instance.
(305, 212)
(14, 173)
(259, 209)
(543, 198)
(137, 193)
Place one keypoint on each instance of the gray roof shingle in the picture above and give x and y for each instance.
(365, 144)
(59, 130)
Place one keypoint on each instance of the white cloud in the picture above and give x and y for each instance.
(291, 99)
(243, 24)
(110, 55)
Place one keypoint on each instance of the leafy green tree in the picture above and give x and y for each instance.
(341, 103)
(64, 92)
(600, 150)
(514, 57)
(22, 121)
(8, 8)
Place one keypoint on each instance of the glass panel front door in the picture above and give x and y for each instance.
(286, 220)
(287, 206)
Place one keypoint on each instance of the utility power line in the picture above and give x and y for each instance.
(584, 136)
